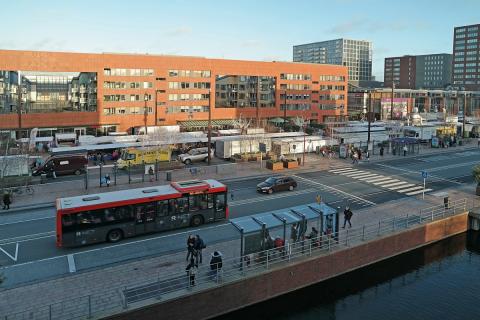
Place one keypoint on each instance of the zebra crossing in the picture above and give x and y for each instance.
(396, 185)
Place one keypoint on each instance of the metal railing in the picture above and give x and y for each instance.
(177, 284)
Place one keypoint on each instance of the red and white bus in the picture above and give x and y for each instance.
(112, 216)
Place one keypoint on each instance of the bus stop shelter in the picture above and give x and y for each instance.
(257, 230)
(412, 144)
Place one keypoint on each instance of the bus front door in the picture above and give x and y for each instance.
(220, 206)
(145, 218)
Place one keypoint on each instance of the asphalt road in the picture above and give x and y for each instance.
(30, 236)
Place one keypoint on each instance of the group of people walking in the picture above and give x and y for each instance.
(195, 246)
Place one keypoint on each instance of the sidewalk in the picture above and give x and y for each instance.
(101, 290)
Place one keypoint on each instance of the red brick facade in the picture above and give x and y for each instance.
(82, 62)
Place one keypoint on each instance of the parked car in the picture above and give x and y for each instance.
(63, 165)
(195, 155)
(275, 184)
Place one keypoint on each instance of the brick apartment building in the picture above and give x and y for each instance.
(100, 93)
(431, 71)
(466, 57)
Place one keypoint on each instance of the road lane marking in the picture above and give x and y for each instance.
(410, 189)
(381, 183)
(270, 197)
(27, 220)
(435, 178)
(393, 184)
(13, 257)
(363, 175)
(371, 177)
(71, 263)
(377, 179)
(343, 170)
(332, 188)
(417, 192)
(402, 186)
(27, 237)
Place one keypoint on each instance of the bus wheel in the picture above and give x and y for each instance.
(114, 235)
(196, 221)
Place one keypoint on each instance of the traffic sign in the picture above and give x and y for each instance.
(424, 174)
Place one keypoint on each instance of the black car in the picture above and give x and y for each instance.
(274, 184)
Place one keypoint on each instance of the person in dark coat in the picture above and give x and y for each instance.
(6, 201)
(347, 215)
(191, 252)
(199, 246)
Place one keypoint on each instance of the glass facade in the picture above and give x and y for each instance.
(37, 92)
(466, 57)
(354, 54)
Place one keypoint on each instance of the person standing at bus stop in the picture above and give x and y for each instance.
(199, 246)
(191, 252)
(6, 200)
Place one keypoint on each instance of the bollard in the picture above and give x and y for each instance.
(129, 174)
(86, 177)
(310, 249)
(363, 233)
(100, 175)
(432, 214)
(379, 226)
(407, 220)
(50, 312)
(115, 168)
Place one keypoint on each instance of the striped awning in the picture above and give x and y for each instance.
(204, 123)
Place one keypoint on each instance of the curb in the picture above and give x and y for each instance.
(29, 207)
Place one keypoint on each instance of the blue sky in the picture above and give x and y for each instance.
(253, 30)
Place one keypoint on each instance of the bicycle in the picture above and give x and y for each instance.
(23, 189)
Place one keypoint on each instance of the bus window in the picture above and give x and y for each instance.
(181, 205)
(210, 201)
(88, 219)
(220, 200)
(162, 208)
(68, 223)
(198, 202)
(145, 212)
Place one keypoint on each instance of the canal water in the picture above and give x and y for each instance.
(440, 281)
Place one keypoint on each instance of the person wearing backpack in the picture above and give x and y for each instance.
(199, 246)
(347, 215)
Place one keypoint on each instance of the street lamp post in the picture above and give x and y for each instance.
(209, 125)
(145, 112)
(393, 93)
(464, 113)
(369, 117)
(285, 113)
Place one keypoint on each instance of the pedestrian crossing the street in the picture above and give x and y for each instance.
(387, 182)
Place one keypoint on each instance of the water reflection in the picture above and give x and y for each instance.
(437, 281)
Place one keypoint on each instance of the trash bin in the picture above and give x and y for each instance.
(299, 160)
(445, 202)
(43, 178)
(169, 175)
(460, 142)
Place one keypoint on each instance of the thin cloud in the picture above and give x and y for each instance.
(180, 31)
